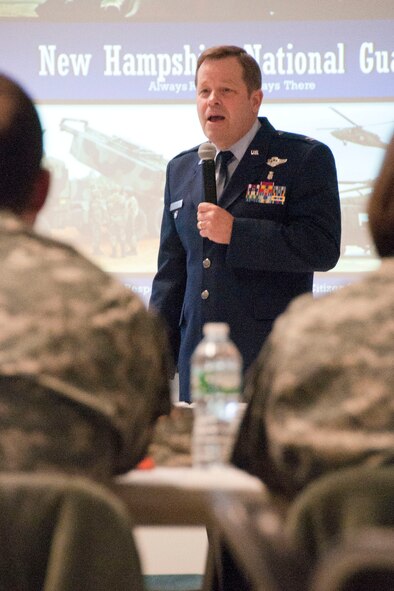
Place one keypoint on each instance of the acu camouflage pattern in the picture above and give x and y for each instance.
(84, 365)
(171, 441)
(322, 390)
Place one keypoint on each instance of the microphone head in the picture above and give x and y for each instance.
(207, 151)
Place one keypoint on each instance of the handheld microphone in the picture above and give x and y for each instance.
(207, 154)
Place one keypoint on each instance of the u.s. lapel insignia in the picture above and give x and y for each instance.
(275, 161)
(254, 152)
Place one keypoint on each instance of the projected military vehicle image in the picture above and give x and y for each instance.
(116, 203)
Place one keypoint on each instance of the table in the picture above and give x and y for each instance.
(178, 496)
(170, 509)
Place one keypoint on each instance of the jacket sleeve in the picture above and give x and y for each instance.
(169, 283)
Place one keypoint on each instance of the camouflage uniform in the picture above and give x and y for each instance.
(171, 441)
(83, 364)
(322, 388)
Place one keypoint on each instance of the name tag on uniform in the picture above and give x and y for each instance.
(266, 192)
(176, 205)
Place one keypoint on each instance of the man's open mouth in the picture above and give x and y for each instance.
(214, 118)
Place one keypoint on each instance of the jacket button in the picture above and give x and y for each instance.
(206, 263)
(205, 294)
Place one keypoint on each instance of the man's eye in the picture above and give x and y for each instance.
(203, 92)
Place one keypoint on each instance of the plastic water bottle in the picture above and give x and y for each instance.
(216, 377)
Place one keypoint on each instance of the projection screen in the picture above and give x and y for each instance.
(114, 81)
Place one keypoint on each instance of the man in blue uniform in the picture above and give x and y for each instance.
(276, 222)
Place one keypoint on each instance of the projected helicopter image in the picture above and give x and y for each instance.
(356, 134)
(354, 195)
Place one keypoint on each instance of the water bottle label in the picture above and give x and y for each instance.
(205, 382)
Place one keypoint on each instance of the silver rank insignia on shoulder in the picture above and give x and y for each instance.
(275, 161)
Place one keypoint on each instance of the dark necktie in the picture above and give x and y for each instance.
(223, 159)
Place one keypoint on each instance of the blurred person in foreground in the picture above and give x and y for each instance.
(83, 364)
(321, 394)
(277, 220)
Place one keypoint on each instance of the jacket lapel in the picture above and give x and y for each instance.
(197, 183)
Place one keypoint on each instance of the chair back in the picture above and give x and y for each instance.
(334, 505)
(61, 533)
(343, 523)
(247, 549)
(338, 535)
(365, 562)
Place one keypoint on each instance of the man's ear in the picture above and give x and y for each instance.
(256, 99)
(38, 196)
(40, 190)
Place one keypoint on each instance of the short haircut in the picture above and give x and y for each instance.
(21, 145)
(251, 69)
(381, 206)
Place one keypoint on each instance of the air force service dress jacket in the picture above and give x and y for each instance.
(284, 198)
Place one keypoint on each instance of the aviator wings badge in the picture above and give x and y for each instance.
(275, 161)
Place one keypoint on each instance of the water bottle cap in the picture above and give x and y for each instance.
(216, 328)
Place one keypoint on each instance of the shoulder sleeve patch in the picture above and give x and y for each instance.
(296, 136)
